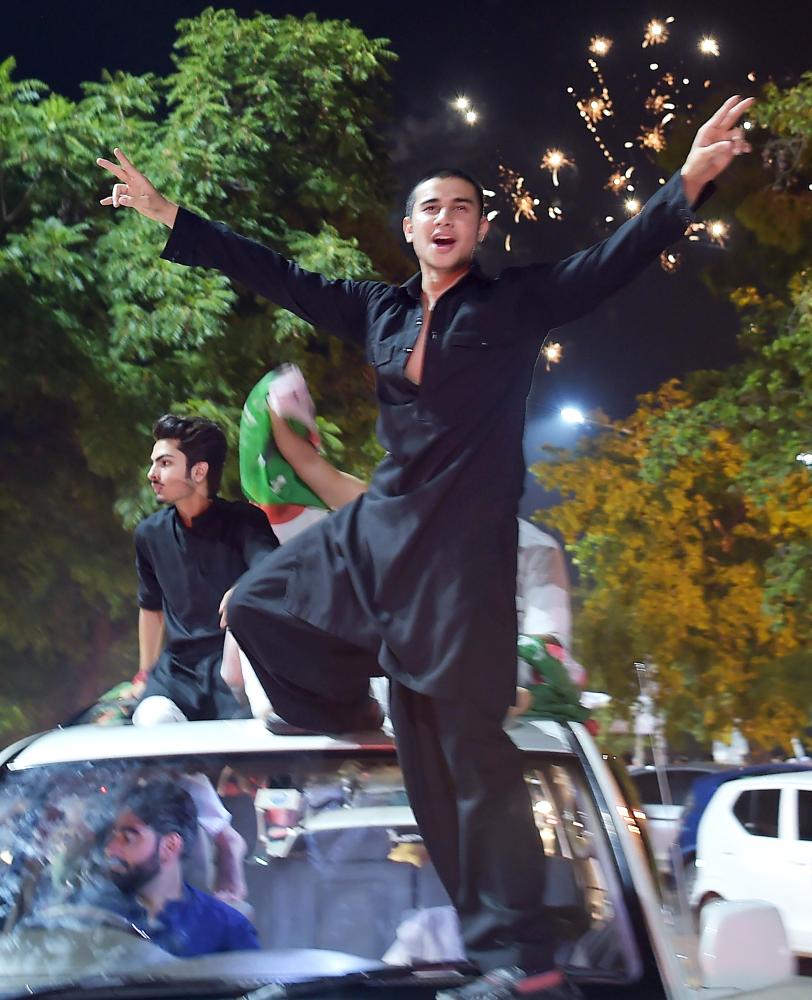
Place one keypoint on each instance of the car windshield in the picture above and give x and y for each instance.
(301, 864)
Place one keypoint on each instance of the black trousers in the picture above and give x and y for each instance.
(199, 691)
(463, 774)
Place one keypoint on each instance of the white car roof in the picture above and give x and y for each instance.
(75, 743)
(784, 779)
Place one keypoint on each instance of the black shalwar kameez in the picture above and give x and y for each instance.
(416, 578)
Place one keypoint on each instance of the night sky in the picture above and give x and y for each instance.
(515, 61)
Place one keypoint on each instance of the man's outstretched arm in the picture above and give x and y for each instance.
(336, 306)
(574, 286)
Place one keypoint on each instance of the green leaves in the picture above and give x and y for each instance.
(273, 126)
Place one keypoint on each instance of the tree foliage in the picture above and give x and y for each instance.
(693, 532)
(271, 125)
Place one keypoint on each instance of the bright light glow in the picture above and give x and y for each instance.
(552, 353)
(805, 458)
(462, 103)
(572, 415)
(709, 46)
(554, 160)
(656, 33)
(471, 117)
(632, 206)
(718, 231)
(599, 45)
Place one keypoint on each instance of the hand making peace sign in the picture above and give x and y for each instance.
(134, 190)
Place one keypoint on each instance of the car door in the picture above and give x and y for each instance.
(791, 876)
(746, 859)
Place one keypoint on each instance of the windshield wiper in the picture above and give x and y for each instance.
(121, 986)
(435, 975)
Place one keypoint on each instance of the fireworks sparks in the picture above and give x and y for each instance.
(599, 46)
(462, 103)
(656, 33)
(594, 108)
(670, 261)
(717, 231)
(653, 139)
(619, 180)
(554, 160)
(709, 46)
(552, 353)
(616, 182)
(522, 201)
(658, 103)
(665, 99)
(586, 112)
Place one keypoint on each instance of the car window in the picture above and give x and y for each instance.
(804, 815)
(681, 783)
(648, 788)
(327, 853)
(757, 811)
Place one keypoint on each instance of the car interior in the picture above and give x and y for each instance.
(333, 857)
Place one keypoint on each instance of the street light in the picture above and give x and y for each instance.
(572, 415)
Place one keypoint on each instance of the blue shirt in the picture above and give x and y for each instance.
(196, 924)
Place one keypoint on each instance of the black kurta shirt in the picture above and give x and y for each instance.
(184, 572)
(428, 554)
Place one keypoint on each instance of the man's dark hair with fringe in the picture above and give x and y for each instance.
(200, 440)
(165, 807)
(442, 173)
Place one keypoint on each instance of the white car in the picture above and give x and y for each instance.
(755, 842)
(353, 900)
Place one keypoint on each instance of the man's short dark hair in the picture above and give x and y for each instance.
(442, 173)
(164, 807)
(200, 440)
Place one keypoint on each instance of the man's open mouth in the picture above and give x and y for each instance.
(443, 241)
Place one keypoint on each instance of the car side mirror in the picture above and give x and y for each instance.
(743, 945)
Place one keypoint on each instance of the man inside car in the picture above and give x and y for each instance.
(144, 860)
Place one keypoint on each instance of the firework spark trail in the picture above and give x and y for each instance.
(522, 201)
(664, 103)
(554, 160)
(552, 352)
(656, 32)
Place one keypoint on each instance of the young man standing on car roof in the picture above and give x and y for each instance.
(188, 555)
(415, 579)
